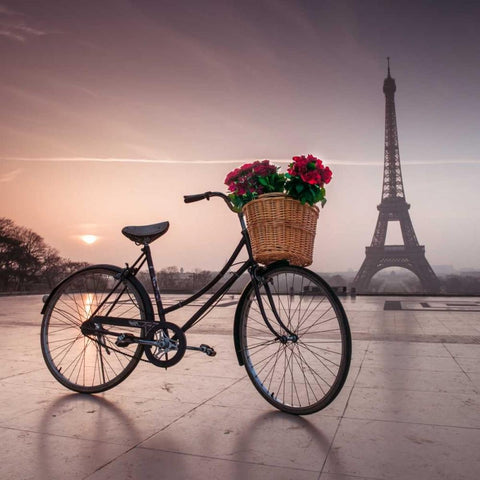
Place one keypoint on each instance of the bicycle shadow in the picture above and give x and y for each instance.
(283, 441)
(96, 420)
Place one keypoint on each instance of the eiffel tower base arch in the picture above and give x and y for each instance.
(410, 258)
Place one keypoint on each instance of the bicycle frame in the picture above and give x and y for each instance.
(162, 312)
(249, 265)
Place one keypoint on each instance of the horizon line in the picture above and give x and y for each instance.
(168, 161)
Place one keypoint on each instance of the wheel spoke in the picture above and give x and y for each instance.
(92, 364)
(303, 373)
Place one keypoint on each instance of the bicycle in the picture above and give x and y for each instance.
(290, 329)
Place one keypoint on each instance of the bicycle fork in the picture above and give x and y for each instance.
(290, 336)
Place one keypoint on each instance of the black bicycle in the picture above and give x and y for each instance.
(290, 329)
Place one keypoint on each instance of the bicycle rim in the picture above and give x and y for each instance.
(91, 364)
(304, 372)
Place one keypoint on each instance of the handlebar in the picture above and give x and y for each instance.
(197, 197)
(206, 196)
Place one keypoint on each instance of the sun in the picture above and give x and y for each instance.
(89, 239)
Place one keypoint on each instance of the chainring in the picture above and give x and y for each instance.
(170, 347)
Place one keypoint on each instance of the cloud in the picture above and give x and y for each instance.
(10, 176)
(19, 31)
(14, 26)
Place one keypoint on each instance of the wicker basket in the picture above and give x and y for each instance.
(281, 228)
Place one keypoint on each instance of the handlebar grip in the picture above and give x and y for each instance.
(196, 198)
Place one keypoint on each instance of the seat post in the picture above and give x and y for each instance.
(153, 278)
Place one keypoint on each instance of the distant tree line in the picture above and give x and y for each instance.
(174, 279)
(27, 263)
(465, 284)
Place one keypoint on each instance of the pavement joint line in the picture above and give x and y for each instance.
(334, 436)
(59, 435)
(417, 338)
(139, 444)
(405, 422)
(175, 420)
(22, 373)
(248, 462)
(342, 415)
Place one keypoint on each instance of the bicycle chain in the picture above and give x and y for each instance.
(113, 349)
(152, 358)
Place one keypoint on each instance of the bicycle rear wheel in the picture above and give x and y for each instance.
(92, 363)
(305, 370)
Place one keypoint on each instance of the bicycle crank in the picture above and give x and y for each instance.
(166, 344)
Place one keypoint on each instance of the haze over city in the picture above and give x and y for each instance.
(113, 110)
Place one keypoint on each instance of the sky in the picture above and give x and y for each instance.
(112, 110)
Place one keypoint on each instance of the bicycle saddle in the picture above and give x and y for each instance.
(146, 233)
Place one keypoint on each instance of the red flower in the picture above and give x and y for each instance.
(327, 175)
(312, 177)
(264, 168)
(253, 179)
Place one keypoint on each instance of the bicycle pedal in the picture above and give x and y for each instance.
(208, 350)
(124, 340)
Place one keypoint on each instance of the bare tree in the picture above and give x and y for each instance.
(27, 261)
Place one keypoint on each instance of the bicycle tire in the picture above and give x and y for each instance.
(81, 362)
(303, 376)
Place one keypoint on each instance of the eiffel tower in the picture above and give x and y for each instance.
(394, 207)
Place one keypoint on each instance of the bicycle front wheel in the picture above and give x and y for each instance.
(92, 363)
(302, 367)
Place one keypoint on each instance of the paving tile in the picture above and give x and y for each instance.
(464, 351)
(268, 438)
(125, 421)
(449, 409)
(409, 409)
(419, 380)
(224, 364)
(244, 395)
(17, 400)
(148, 464)
(36, 375)
(400, 451)
(33, 456)
(475, 378)
(411, 349)
(148, 381)
(468, 364)
(415, 362)
(359, 350)
(14, 368)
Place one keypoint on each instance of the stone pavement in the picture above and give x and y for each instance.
(410, 408)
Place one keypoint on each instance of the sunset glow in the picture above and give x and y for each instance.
(89, 239)
(101, 129)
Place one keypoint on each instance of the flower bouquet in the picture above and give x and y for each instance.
(252, 180)
(280, 208)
